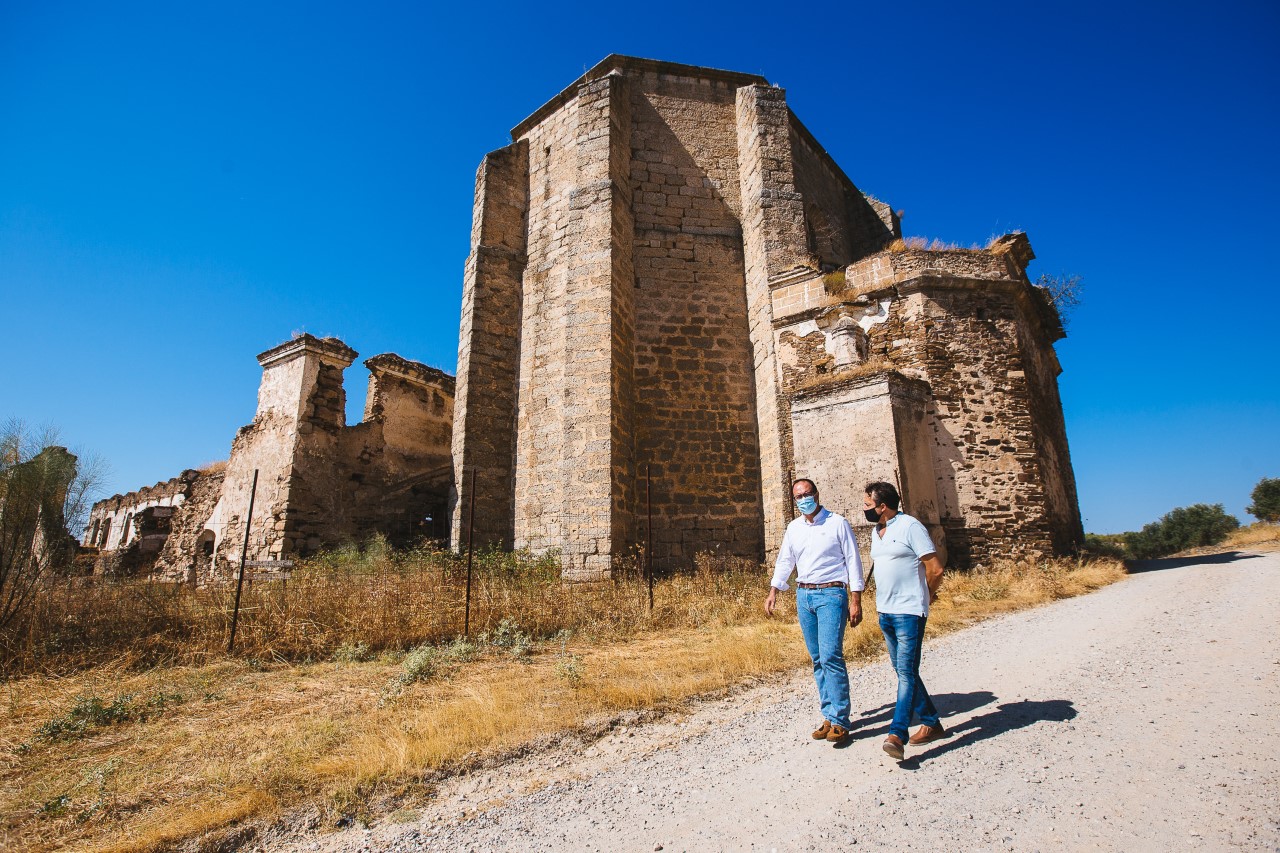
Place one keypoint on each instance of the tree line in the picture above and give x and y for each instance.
(1195, 526)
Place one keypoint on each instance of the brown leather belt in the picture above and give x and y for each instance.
(819, 585)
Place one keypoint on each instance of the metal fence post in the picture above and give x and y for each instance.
(244, 552)
(471, 536)
(648, 533)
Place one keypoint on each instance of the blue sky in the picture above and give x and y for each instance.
(184, 185)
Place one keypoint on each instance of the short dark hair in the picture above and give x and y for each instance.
(884, 493)
(812, 484)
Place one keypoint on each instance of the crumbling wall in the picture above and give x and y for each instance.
(129, 530)
(321, 482)
(188, 550)
(395, 467)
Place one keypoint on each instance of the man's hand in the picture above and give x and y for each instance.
(771, 601)
(932, 575)
(855, 611)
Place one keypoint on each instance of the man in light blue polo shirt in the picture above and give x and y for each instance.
(820, 547)
(908, 573)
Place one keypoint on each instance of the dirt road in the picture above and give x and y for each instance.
(1145, 716)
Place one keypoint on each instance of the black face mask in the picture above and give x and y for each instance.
(872, 515)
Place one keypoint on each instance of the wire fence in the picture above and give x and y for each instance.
(372, 598)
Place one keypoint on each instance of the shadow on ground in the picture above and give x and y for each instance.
(1005, 718)
(1139, 566)
(948, 705)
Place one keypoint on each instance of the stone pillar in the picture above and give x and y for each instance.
(850, 433)
(775, 243)
(598, 464)
(292, 443)
(489, 349)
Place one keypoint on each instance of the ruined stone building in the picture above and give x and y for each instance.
(668, 272)
(675, 302)
(320, 482)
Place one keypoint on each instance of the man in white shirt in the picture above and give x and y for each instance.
(820, 547)
(908, 573)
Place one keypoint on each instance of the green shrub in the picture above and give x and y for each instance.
(350, 652)
(1193, 526)
(1266, 500)
(462, 650)
(509, 636)
(419, 665)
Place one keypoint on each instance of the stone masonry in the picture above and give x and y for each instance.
(320, 482)
(668, 274)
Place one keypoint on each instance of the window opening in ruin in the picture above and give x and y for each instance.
(106, 533)
(124, 534)
(93, 537)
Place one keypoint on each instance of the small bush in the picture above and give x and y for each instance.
(419, 665)
(834, 282)
(509, 636)
(462, 650)
(92, 712)
(569, 666)
(350, 652)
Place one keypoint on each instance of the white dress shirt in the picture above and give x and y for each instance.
(821, 551)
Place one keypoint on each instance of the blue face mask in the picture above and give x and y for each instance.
(807, 504)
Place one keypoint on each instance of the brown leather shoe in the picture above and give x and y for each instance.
(837, 734)
(821, 731)
(893, 746)
(927, 734)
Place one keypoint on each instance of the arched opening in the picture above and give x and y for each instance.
(206, 545)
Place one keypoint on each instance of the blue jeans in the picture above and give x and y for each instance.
(904, 635)
(822, 615)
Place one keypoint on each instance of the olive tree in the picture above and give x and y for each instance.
(1266, 500)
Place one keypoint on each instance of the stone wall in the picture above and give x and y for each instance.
(972, 327)
(187, 553)
(111, 520)
(321, 482)
(132, 531)
(694, 385)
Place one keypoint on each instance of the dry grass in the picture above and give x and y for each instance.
(867, 368)
(376, 597)
(924, 244)
(1260, 534)
(248, 741)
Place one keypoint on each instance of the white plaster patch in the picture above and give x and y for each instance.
(875, 315)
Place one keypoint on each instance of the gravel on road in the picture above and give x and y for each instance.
(1144, 716)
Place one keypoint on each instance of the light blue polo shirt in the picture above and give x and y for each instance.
(900, 583)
